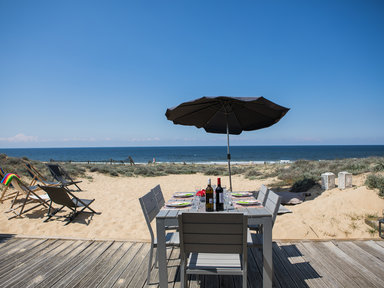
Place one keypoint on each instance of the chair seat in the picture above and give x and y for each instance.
(44, 197)
(214, 263)
(50, 183)
(171, 239)
(85, 201)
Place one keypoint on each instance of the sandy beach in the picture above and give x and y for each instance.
(332, 214)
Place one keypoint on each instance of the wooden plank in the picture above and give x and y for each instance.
(139, 263)
(372, 263)
(17, 250)
(140, 276)
(363, 273)
(372, 248)
(296, 276)
(254, 273)
(194, 281)
(105, 267)
(378, 244)
(302, 267)
(79, 267)
(23, 258)
(50, 273)
(281, 271)
(381, 243)
(319, 261)
(257, 254)
(24, 273)
(60, 263)
(6, 242)
(122, 264)
(210, 281)
(227, 281)
(69, 263)
(48, 262)
(93, 271)
(338, 260)
(155, 271)
(173, 267)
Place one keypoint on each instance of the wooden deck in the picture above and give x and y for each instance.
(26, 262)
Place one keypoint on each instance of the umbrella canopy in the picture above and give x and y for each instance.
(227, 115)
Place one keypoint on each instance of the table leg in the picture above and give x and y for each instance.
(267, 253)
(161, 252)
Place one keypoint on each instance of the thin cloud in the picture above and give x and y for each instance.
(20, 138)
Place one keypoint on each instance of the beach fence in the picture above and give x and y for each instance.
(111, 161)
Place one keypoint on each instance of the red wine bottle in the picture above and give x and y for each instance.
(219, 196)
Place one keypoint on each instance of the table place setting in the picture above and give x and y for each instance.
(242, 194)
(178, 204)
(183, 195)
(246, 203)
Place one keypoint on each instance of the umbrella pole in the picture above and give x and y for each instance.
(229, 159)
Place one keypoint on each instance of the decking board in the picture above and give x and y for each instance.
(78, 263)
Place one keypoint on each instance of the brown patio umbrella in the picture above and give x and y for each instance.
(227, 115)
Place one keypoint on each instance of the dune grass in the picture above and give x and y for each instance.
(298, 175)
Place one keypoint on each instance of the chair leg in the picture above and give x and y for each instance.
(150, 264)
(182, 275)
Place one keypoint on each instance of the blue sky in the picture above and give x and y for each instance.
(103, 73)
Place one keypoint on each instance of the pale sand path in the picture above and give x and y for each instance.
(333, 214)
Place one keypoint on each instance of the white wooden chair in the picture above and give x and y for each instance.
(150, 209)
(213, 244)
(272, 205)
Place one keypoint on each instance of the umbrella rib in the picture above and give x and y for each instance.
(208, 104)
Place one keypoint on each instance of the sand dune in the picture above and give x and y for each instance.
(331, 214)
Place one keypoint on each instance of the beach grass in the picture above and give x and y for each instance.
(299, 175)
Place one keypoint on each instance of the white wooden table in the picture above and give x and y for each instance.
(168, 217)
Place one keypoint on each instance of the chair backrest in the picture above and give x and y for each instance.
(150, 209)
(159, 196)
(58, 195)
(2, 173)
(29, 170)
(263, 194)
(33, 172)
(58, 172)
(213, 233)
(273, 204)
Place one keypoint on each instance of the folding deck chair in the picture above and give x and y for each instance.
(31, 195)
(62, 196)
(5, 189)
(37, 176)
(61, 175)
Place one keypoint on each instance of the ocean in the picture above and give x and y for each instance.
(198, 154)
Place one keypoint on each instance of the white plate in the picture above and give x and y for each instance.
(183, 195)
(241, 194)
(248, 202)
(179, 204)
